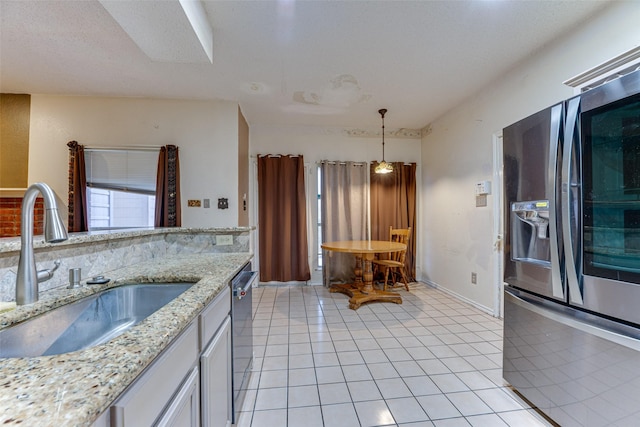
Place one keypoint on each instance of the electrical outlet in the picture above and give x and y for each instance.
(224, 240)
(474, 278)
(206, 203)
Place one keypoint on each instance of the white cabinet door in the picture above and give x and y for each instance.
(215, 364)
(184, 410)
(150, 394)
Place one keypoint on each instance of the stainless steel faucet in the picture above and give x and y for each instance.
(54, 232)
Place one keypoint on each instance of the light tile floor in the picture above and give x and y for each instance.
(431, 361)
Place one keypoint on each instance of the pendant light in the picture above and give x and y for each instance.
(383, 167)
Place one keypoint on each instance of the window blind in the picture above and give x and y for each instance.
(122, 170)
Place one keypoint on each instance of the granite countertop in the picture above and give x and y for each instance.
(12, 244)
(73, 389)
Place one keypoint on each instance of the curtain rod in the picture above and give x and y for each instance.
(339, 162)
(276, 155)
(126, 147)
(404, 163)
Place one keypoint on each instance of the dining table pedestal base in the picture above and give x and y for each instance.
(360, 297)
(348, 289)
(362, 291)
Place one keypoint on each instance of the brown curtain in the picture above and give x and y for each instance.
(78, 211)
(168, 188)
(282, 219)
(393, 203)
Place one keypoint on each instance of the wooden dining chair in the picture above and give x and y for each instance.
(395, 262)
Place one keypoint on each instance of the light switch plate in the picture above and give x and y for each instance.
(224, 240)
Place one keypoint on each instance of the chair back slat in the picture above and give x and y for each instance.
(400, 235)
(394, 263)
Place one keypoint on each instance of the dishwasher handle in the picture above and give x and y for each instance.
(243, 285)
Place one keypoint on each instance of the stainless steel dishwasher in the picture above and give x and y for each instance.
(241, 335)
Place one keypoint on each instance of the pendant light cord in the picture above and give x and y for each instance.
(383, 167)
(382, 113)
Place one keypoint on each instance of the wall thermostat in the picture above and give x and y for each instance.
(483, 187)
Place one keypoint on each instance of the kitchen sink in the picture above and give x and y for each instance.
(87, 322)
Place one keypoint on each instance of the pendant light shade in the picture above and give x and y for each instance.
(383, 167)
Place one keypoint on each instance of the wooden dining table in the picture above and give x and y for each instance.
(362, 290)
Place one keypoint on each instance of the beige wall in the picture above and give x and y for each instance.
(205, 131)
(317, 144)
(14, 140)
(459, 237)
(243, 170)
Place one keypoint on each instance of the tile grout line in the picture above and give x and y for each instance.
(448, 319)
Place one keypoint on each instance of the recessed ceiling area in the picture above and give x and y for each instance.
(169, 31)
(303, 63)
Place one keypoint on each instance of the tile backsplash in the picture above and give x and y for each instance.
(100, 253)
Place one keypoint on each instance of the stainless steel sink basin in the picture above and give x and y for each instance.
(87, 322)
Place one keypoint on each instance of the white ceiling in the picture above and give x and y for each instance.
(319, 63)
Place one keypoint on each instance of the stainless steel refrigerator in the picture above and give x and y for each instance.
(572, 257)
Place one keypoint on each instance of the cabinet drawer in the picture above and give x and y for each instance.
(145, 400)
(184, 410)
(213, 315)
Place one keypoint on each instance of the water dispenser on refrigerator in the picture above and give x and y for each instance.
(530, 231)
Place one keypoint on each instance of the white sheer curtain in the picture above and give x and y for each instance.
(344, 214)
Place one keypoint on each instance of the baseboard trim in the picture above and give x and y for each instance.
(460, 297)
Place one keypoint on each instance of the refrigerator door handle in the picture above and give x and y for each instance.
(557, 287)
(570, 241)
